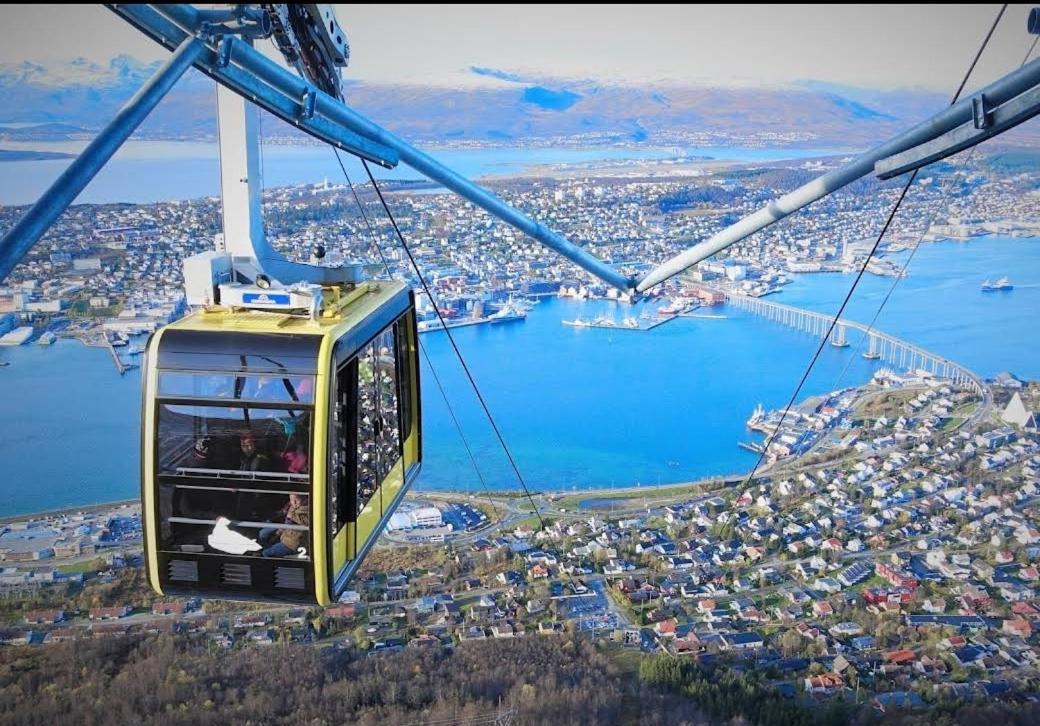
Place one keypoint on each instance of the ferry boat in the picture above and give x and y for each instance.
(673, 308)
(507, 314)
(1001, 284)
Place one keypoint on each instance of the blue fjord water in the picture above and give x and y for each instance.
(578, 407)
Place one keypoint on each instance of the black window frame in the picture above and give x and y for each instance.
(347, 479)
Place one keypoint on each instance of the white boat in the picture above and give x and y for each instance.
(604, 322)
(507, 313)
(1001, 284)
(578, 323)
(631, 322)
(47, 338)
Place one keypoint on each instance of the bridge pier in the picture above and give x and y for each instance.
(895, 352)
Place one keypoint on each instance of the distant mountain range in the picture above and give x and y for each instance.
(67, 100)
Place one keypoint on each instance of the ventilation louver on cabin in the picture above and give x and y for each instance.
(289, 578)
(184, 570)
(235, 574)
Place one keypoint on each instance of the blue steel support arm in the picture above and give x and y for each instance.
(176, 22)
(265, 69)
(20, 239)
(1004, 90)
(266, 74)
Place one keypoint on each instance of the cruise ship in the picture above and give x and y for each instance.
(507, 313)
(1001, 284)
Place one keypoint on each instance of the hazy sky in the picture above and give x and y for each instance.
(880, 46)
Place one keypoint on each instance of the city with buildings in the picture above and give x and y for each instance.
(108, 271)
(886, 554)
(892, 563)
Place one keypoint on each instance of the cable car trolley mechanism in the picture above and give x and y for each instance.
(281, 418)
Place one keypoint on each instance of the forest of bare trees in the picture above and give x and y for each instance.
(150, 679)
(165, 680)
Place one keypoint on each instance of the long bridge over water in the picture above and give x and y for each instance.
(881, 346)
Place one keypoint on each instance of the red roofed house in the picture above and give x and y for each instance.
(666, 628)
(1018, 626)
(687, 641)
(114, 613)
(822, 608)
(826, 683)
(44, 617)
(896, 576)
(1025, 609)
(901, 657)
(975, 597)
(342, 610)
(168, 608)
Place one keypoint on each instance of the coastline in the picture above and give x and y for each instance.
(64, 511)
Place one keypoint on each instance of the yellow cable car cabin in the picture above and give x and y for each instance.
(276, 447)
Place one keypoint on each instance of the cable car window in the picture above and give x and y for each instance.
(379, 434)
(199, 519)
(404, 359)
(343, 429)
(288, 389)
(234, 440)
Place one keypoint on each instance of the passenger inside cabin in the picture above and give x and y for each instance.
(282, 542)
(295, 460)
(200, 454)
(252, 459)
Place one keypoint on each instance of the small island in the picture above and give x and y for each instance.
(29, 155)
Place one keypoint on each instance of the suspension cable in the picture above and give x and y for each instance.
(451, 411)
(943, 204)
(454, 345)
(837, 316)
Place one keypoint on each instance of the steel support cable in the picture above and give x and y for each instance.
(837, 316)
(426, 355)
(455, 347)
(943, 204)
